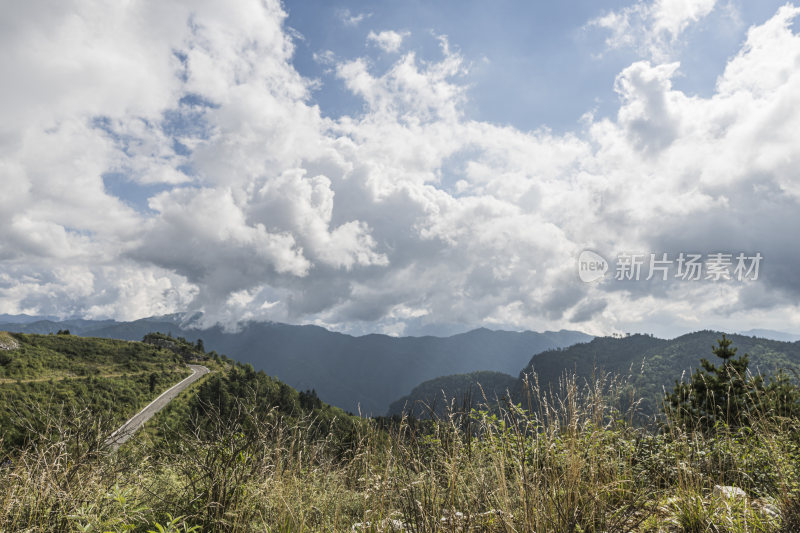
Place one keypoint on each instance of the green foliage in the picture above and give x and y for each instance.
(790, 512)
(179, 346)
(61, 356)
(239, 388)
(309, 400)
(435, 397)
(49, 373)
(783, 396)
(114, 398)
(717, 394)
(728, 395)
(651, 364)
(173, 525)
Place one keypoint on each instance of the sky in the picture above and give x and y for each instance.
(405, 168)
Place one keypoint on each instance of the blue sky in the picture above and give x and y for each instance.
(532, 64)
(399, 167)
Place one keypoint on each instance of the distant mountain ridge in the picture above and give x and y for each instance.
(23, 319)
(363, 373)
(650, 364)
(771, 334)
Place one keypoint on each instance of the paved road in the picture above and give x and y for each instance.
(130, 427)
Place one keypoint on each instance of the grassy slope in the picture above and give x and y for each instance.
(46, 374)
(59, 356)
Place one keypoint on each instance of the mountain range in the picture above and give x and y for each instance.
(379, 374)
(359, 374)
(648, 365)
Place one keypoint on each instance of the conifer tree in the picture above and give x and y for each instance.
(717, 393)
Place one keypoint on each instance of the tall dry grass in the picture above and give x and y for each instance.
(576, 458)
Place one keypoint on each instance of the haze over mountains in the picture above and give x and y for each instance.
(771, 334)
(363, 373)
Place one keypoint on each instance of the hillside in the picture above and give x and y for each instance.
(357, 374)
(42, 376)
(654, 364)
(457, 391)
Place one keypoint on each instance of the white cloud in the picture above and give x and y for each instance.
(407, 91)
(674, 16)
(326, 57)
(349, 19)
(652, 27)
(768, 59)
(409, 211)
(389, 41)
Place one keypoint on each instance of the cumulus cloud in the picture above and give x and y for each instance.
(407, 212)
(389, 41)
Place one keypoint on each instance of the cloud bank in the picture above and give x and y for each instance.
(257, 206)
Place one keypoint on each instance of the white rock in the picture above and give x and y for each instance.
(729, 493)
(7, 342)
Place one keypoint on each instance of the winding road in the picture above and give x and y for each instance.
(130, 427)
